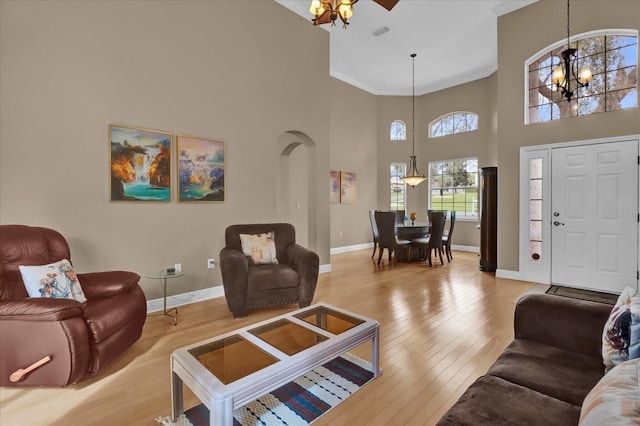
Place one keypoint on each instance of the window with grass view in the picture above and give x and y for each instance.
(612, 56)
(453, 185)
(398, 187)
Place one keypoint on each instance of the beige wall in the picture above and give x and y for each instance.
(234, 71)
(521, 34)
(223, 70)
(478, 97)
(353, 149)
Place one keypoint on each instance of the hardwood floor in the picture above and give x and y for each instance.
(441, 328)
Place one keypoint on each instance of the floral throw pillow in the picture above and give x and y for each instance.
(615, 400)
(259, 248)
(620, 337)
(56, 280)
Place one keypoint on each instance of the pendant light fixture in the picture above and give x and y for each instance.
(567, 71)
(414, 177)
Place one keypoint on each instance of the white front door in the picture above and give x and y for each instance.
(594, 216)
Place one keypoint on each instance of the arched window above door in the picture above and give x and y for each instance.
(612, 56)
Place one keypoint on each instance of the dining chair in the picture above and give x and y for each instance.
(374, 230)
(446, 239)
(434, 240)
(399, 216)
(386, 222)
(444, 212)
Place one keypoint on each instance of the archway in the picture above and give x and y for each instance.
(297, 183)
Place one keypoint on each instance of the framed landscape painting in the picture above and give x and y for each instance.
(140, 164)
(200, 169)
(334, 187)
(348, 187)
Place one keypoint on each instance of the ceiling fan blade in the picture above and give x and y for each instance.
(387, 4)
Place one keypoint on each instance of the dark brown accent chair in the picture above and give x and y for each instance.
(246, 286)
(81, 338)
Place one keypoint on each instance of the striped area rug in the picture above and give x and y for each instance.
(299, 402)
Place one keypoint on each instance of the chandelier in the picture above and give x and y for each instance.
(414, 177)
(567, 71)
(330, 10)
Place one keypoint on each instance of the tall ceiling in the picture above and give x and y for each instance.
(455, 41)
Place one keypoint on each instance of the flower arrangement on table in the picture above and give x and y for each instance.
(412, 216)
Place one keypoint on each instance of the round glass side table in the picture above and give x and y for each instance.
(163, 276)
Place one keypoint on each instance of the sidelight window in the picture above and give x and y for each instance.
(535, 209)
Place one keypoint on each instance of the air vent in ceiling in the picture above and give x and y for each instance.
(380, 31)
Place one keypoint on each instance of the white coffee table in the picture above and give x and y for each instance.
(233, 369)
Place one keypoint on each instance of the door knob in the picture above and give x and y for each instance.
(556, 223)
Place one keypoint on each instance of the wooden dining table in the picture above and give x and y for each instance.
(408, 231)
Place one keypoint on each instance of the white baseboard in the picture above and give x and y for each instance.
(176, 300)
(510, 275)
(472, 249)
(345, 249)
(156, 305)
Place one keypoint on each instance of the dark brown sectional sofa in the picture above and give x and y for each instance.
(543, 376)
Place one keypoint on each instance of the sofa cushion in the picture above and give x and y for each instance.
(555, 372)
(562, 322)
(494, 401)
(259, 248)
(56, 280)
(617, 338)
(615, 400)
(271, 277)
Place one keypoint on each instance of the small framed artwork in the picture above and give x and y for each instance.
(334, 187)
(200, 169)
(140, 163)
(348, 187)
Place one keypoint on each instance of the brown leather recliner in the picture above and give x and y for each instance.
(292, 280)
(81, 338)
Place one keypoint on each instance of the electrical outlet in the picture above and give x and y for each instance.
(211, 263)
(178, 267)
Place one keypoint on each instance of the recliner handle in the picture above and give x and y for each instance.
(20, 373)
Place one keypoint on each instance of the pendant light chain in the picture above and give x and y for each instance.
(568, 25)
(567, 71)
(414, 177)
(413, 107)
